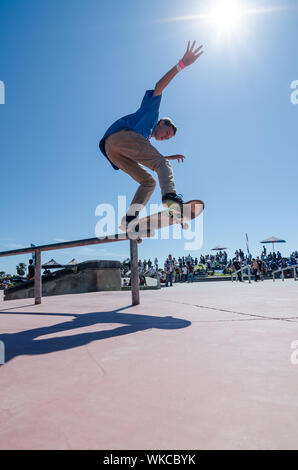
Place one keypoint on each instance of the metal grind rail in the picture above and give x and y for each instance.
(234, 273)
(135, 295)
(281, 271)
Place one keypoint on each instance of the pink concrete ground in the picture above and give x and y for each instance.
(201, 366)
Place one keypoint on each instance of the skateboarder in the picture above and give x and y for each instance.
(126, 143)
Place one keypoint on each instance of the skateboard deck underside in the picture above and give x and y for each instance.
(191, 210)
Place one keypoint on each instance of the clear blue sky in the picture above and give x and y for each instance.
(72, 67)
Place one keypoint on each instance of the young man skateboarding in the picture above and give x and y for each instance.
(126, 143)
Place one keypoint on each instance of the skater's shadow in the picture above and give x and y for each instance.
(29, 343)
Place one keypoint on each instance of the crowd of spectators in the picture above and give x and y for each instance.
(7, 281)
(146, 268)
(262, 266)
(188, 268)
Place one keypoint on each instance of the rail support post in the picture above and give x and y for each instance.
(37, 278)
(134, 272)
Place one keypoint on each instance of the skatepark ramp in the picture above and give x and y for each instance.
(85, 242)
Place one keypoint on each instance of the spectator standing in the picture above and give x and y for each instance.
(169, 269)
(184, 273)
(188, 259)
(152, 271)
(237, 266)
(190, 273)
(260, 269)
(140, 267)
(177, 274)
(255, 269)
(31, 270)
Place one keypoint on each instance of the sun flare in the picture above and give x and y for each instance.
(226, 19)
(226, 16)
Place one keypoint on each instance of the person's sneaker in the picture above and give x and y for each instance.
(171, 200)
(126, 221)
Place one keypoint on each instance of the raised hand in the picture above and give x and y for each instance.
(191, 55)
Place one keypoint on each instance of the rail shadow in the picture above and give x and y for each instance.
(26, 342)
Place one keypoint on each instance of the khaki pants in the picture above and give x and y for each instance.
(129, 151)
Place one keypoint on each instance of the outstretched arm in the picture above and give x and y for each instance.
(189, 58)
(176, 157)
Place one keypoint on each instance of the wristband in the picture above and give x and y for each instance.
(180, 66)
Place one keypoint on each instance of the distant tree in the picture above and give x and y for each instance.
(21, 269)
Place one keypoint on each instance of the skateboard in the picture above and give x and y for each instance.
(170, 216)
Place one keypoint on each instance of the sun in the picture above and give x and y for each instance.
(226, 16)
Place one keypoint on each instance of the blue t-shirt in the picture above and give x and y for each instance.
(143, 121)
